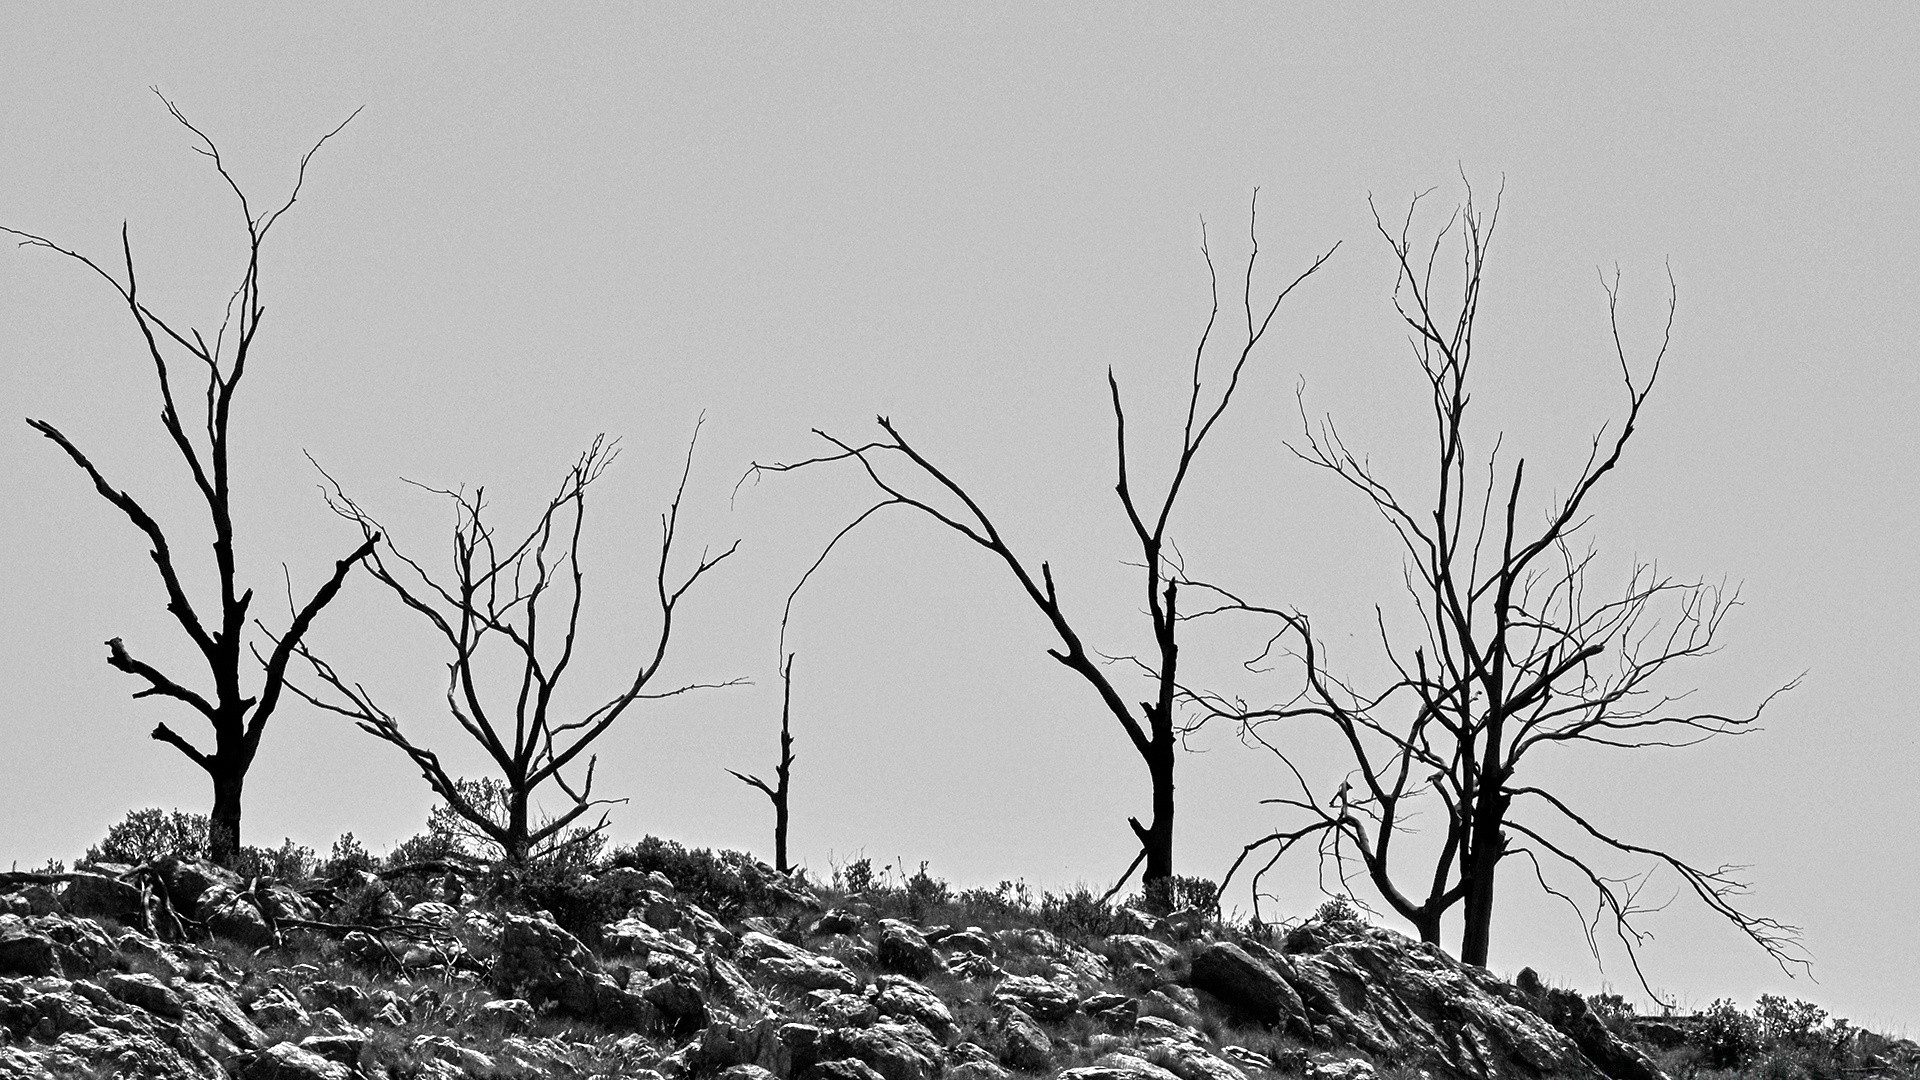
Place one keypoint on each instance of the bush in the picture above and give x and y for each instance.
(348, 855)
(727, 883)
(145, 835)
(1729, 1038)
(1081, 914)
(288, 862)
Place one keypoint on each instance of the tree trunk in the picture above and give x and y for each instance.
(223, 825)
(1157, 838)
(780, 831)
(1489, 844)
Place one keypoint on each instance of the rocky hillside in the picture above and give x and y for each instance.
(178, 969)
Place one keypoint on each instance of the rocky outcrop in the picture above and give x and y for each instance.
(671, 992)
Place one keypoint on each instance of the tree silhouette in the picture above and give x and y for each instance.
(237, 715)
(1512, 653)
(510, 614)
(1153, 730)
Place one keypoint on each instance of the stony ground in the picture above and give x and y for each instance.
(177, 969)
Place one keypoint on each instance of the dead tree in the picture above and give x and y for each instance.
(1511, 653)
(783, 773)
(510, 614)
(238, 714)
(1154, 730)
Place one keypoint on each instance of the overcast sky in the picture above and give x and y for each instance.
(547, 226)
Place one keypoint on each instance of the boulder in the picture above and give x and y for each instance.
(100, 896)
(841, 1069)
(29, 954)
(905, 950)
(1397, 998)
(344, 1048)
(895, 1049)
(678, 1000)
(1130, 949)
(1248, 987)
(1569, 1012)
(1028, 1049)
(511, 1014)
(1118, 1066)
(1037, 997)
(795, 966)
(285, 1061)
(226, 1014)
(144, 991)
(1188, 1060)
(896, 995)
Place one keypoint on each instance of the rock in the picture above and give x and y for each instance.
(977, 1070)
(226, 1014)
(230, 914)
(1328, 1067)
(896, 1050)
(745, 1072)
(285, 1061)
(1569, 1012)
(1119, 1067)
(1248, 987)
(678, 999)
(1399, 999)
(1247, 1058)
(277, 1007)
(972, 941)
(1027, 1047)
(511, 1014)
(1110, 1006)
(1190, 1061)
(32, 955)
(344, 1048)
(896, 995)
(842, 1069)
(468, 1061)
(794, 965)
(1037, 997)
(146, 992)
(725, 1043)
(905, 950)
(1158, 1027)
(433, 911)
(100, 896)
(186, 880)
(841, 1009)
(1138, 949)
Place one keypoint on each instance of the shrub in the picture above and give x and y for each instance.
(727, 883)
(288, 862)
(1081, 914)
(1729, 1038)
(925, 892)
(348, 854)
(145, 835)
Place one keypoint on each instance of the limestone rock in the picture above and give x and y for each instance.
(146, 992)
(905, 950)
(1039, 998)
(896, 995)
(285, 1061)
(795, 966)
(1027, 1047)
(1247, 986)
(895, 1049)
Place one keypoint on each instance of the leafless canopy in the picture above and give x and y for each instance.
(215, 368)
(906, 477)
(513, 606)
(1514, 654)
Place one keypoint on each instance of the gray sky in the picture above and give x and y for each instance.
(542, 228)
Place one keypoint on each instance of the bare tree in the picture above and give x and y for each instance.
(513, 607)
(1154, 730)
(783, 773)
(237, 714)
(1512, 654)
